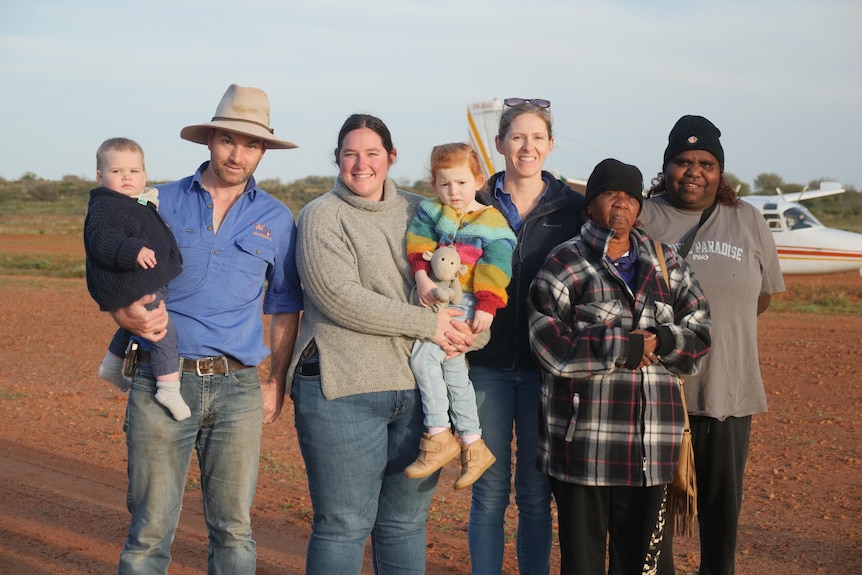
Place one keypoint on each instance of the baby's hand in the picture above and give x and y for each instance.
(147, 258)
(481, 321)
(425, 287)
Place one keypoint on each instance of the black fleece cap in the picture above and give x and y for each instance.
(693, 133)
(611, 174)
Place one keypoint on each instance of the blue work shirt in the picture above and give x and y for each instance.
(215, 302)
(508, 207)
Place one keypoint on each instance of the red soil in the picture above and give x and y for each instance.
(63, 459)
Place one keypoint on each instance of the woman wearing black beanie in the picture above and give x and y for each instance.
(729, 246)
(612, 332)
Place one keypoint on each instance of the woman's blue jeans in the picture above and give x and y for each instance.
(355, 450)
(509, 398)
(225, 430)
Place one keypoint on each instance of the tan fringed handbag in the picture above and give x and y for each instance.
(682, 490)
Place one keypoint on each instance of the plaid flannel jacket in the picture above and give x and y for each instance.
(603, 423)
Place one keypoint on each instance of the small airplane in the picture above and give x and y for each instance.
(805, 246)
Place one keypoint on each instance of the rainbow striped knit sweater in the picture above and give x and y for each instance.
(483, 239)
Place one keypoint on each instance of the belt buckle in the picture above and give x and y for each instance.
(209, 363)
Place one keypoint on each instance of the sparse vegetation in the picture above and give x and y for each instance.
(270, 462)
(33, 196)
(50, 265)
(11, 394)
(818, 299)
(40, 207)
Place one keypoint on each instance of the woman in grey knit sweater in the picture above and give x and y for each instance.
(359, 417)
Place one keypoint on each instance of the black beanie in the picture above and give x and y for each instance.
(611, 174)
(693, 133)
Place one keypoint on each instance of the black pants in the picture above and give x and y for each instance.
(720, 454)
(588, 514)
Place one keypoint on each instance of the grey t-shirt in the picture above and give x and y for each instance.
(735, 261)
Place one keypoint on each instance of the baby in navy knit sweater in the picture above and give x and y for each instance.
(131, 253)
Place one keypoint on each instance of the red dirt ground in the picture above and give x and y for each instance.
(62, 452)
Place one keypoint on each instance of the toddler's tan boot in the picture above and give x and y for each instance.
(435, 451)
(475, 459)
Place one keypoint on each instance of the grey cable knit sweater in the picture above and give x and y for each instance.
(356, 281)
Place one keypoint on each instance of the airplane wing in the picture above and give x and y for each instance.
(577, 185)
(826, 189)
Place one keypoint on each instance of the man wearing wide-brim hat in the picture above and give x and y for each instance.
(238, 244)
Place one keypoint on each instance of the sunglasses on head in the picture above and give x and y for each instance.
(515, 102)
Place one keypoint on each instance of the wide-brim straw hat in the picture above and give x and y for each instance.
(241, 110)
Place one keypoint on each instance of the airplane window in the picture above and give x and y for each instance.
(797, 219)
(773, 221)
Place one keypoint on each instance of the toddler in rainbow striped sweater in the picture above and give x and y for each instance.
(485, 242)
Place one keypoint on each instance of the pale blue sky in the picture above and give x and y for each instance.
(781, 79)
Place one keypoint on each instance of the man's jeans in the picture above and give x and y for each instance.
(225, 430)
(445, 383)
(355, 450)
(506, 398)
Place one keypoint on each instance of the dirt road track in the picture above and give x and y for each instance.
(65, 516)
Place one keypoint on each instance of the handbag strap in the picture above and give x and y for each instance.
(684, 407)
(689, 239)
(661, 261)
(663, 265)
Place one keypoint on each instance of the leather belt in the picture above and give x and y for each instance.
(309, 368)
(217, 365)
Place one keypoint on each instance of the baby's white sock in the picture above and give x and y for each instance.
(169, 396)
(111, 370)
(469, 439)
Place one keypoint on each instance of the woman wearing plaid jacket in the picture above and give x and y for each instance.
(611, 338)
